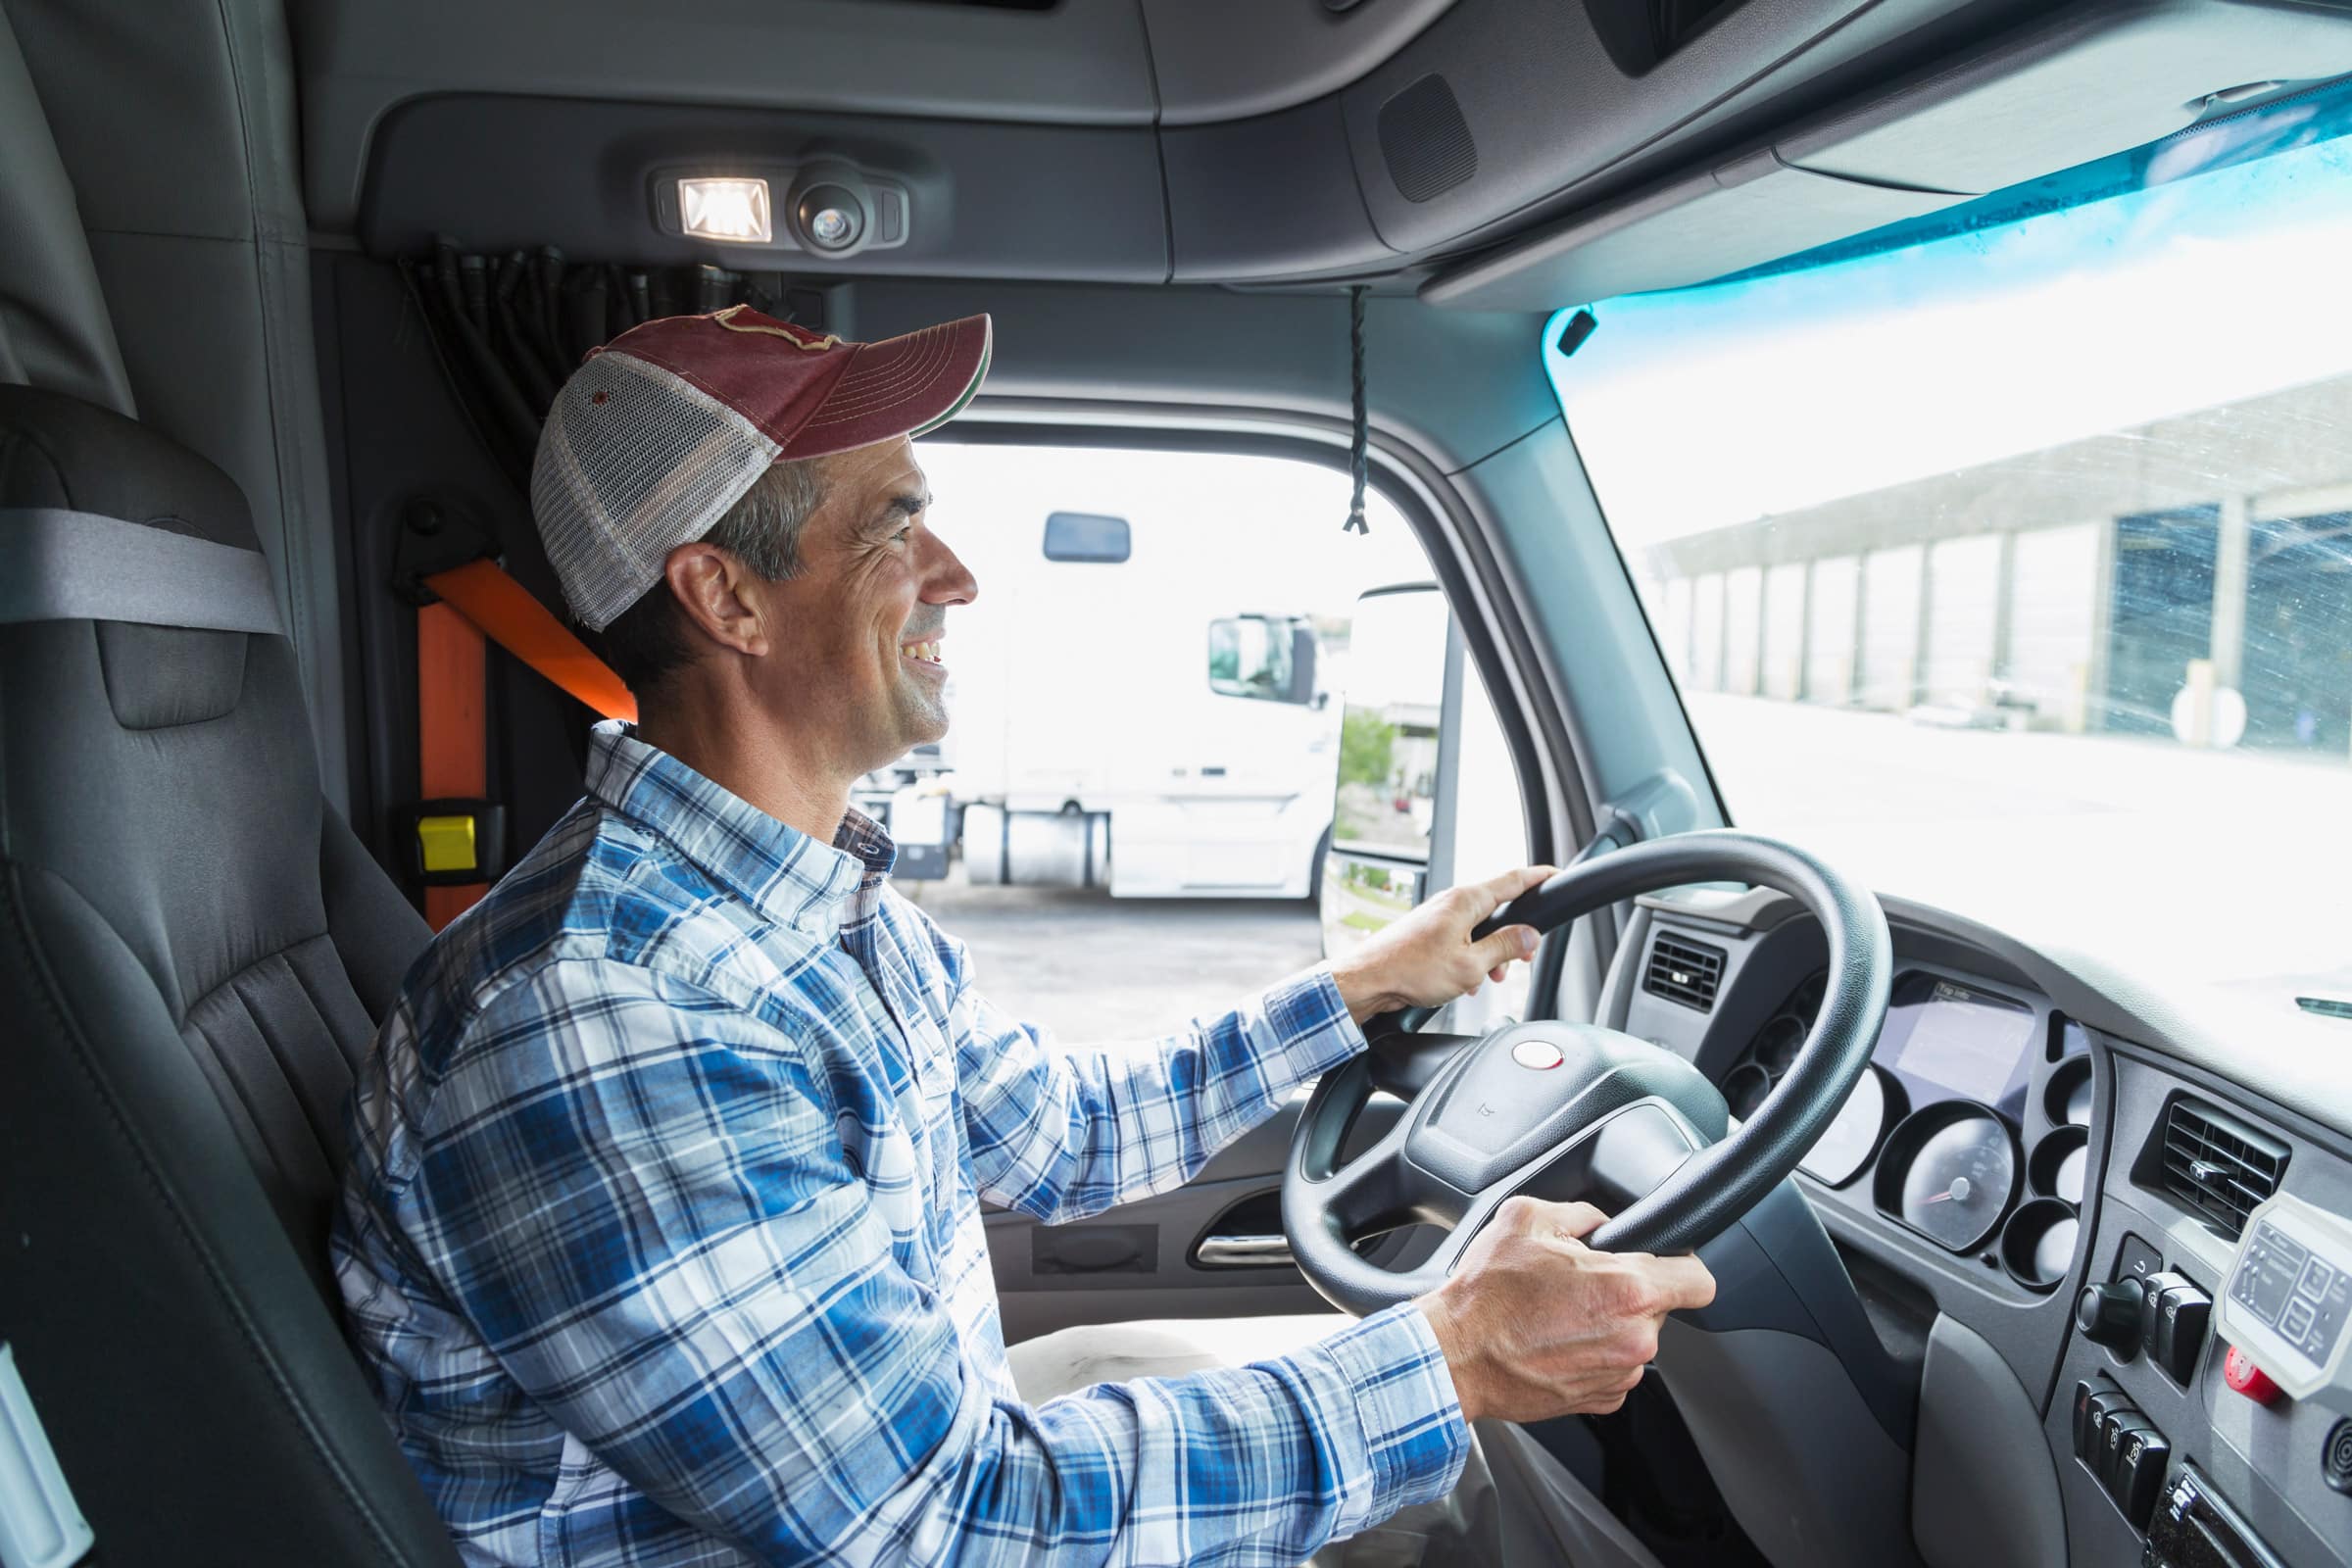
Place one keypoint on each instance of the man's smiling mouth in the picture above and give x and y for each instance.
(925, 652)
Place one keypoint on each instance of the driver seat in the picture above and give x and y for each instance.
(193, 950)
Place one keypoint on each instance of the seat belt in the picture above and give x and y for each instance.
(457, 836)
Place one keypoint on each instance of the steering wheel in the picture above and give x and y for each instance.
(1567, 1110)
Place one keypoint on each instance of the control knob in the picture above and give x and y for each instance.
(2109, 1314)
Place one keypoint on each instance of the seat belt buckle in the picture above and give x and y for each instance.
(453, 843)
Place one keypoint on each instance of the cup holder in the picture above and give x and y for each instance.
(1745, 1088)
(2037, 1245)
(2067, 1097)
(2060, 1165)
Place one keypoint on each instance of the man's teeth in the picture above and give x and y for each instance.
(928, 652)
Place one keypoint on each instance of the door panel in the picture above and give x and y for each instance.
(1094, 1271)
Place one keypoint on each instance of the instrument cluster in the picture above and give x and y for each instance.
(1972, 1121)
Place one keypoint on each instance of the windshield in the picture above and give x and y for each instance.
(2006, 557)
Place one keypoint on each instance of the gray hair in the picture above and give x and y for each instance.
(762, 528)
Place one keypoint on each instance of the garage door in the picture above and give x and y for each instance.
(1830, 630)
(1964, 580)
(1743, 617)
(2053, 616)
(1784, 632)
(1889, 626)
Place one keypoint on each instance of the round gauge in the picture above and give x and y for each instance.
(2067, 1096)
(2037, 1245)
(1745, 1088)
(1952, 1170)
(1839, 1153)
(2061, 1162)
(1778, 1043)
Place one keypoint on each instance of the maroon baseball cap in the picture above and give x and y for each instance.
(663, 430)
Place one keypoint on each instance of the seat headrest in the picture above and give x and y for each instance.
(58, 451)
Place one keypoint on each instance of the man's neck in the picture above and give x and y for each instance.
(734, 746)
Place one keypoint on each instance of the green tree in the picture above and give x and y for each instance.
(1367, 747)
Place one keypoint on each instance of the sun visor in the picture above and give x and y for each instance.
(2102, 80)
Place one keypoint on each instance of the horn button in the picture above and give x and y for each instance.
(1525, 1090)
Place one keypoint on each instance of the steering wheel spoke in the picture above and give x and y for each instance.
(1563, 1111)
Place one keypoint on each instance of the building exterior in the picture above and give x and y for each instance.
(2080, 588)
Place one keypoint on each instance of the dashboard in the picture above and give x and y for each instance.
(2121, 1281)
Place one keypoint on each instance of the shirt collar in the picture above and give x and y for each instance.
(781, 872)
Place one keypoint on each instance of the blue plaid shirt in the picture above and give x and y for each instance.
(662, 1237)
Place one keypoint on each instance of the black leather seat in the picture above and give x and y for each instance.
(193, 950)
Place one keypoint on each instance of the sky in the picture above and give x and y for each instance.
(1705, 406)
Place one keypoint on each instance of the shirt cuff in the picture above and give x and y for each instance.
(1415, 1440)
(1310, 1018)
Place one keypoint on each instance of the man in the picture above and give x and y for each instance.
(661, 1239)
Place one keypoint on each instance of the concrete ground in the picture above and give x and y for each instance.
(1089, 966)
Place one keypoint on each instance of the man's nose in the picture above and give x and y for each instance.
(946, 579)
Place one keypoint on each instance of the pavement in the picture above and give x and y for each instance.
(2228, 868)
(1089, 966)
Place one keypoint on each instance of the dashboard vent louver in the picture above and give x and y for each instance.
(1683, 971)
(2217, 1164)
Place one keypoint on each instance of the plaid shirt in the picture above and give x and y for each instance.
(661, 1238)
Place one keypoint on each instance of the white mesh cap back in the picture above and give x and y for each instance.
(634, 463)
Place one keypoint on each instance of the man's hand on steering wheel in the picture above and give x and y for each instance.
(1535, 1324)
(1426, 958)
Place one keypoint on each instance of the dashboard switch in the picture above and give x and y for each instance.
(2096, 1411)
(2242, 1374)
(2109, 1314)
(2138, 1478)
(2177, 1314)
(2117, 1434)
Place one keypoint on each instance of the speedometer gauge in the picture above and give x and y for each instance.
(1949, 1173)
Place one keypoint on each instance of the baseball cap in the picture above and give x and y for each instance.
(663, 430)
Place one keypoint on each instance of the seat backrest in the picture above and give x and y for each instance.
(193, 950)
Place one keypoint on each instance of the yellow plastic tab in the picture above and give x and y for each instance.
(448, 843)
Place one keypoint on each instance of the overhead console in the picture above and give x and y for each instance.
(1527, 153)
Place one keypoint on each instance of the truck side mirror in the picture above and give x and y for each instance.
(1426, 793)
(1384, 807)
(1304, 646)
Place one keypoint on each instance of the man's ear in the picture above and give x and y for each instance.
(709, 584)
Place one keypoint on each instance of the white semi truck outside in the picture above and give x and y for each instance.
(1139, 698)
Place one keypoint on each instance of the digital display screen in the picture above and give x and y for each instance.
(1965, 1041)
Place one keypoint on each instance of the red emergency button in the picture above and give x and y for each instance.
(2242, 1374)
(1539, 1055)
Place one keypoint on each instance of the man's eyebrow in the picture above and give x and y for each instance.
(906, 504)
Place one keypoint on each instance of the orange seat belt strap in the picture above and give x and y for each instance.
(451, 745)
(475, 601)
(506, 611)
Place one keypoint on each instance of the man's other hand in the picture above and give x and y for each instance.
(1535, 1324)
(1426, 958)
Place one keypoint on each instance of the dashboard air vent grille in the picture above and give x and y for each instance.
(1683, 971)
(2218, 1165)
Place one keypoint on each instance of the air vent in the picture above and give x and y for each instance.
(1425, 140)
(2217, 1164)
(1682, 971)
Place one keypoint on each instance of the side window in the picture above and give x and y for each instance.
(1128, 820)
(1264, 657)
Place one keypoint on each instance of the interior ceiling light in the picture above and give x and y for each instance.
(734, 210)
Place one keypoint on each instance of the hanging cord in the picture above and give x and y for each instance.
(1360, 458)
